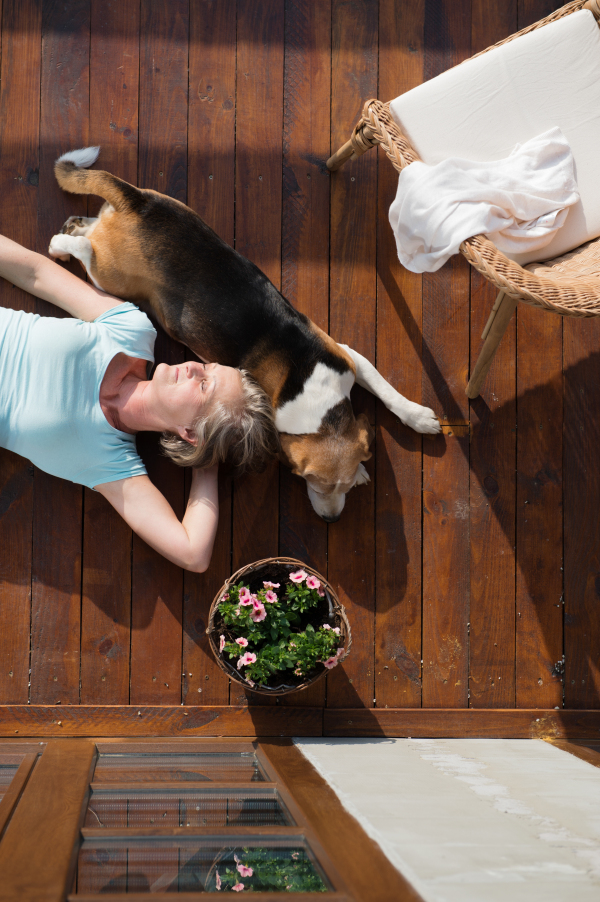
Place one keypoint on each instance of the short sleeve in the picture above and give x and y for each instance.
(130, 329)
(122, 463)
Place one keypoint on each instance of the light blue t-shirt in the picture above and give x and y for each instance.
(50, 375)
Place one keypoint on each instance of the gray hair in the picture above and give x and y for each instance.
(242, 433)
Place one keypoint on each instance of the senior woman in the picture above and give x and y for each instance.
(74, 393)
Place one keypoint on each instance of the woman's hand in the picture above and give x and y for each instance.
(188, 544)
(47, 280)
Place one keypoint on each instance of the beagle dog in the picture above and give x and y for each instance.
(153, 250)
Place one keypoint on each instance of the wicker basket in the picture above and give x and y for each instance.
(266, 570)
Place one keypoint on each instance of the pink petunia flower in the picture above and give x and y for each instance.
(270, 596)
(221, 643)
(247, 599)
(238, 887)
(336, 630)
(244, 871)
(241, 641)
(248, 658)
(326, 626)
(259, 612)
(269, 585)
(250, 683)
(313, 583)
(225, 597)
(329, 663)
(217, 880)
(298, 576)
(320, 592)
(237, 612)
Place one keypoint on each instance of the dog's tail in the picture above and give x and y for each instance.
(72, 175)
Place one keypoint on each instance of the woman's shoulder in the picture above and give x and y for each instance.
(129, 328)
(126, 315)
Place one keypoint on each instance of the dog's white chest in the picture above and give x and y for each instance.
(322, 390)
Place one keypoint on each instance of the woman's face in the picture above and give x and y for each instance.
(185, 391)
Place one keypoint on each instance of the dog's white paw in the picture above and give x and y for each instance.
(57, 249)
(421, 419)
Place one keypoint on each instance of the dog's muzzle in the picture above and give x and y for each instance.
(328, 507)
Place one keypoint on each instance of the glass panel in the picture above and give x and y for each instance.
(193, 865)
(7, 772)
(241, 767)
(187, 808)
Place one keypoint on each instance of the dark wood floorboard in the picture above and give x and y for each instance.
(469, 566)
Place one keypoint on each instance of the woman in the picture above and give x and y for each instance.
(74, 393)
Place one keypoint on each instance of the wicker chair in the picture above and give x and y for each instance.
(568, 285)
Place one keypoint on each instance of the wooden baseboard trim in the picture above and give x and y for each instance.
(449, 723)
(20, 721)
(129, 721)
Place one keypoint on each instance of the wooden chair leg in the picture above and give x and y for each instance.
(359, 143)
(340, 156)
(497, 324)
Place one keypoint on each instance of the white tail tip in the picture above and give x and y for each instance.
(81, 158)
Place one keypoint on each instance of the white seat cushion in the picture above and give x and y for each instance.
(482, 108)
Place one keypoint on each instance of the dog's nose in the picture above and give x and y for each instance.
(332, 519)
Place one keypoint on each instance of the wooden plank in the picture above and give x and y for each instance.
(539, 646)
(581, 360)
(57, 521)
(211, 181)
(447, 37)
(188, 787)
(539, 595)
(133, 721)
(579, 751)
(446, 292)
(106, 584)
(492, 475)
(446, 568)
(353, 321)
(258, 237)
(354, 854)
(464, 723)
(157, 584)
(19, 146)
(37, 854)
(305, 244)
(201, 897)
(218, 834)
(15, 789)
(176, 745)
(399, 458)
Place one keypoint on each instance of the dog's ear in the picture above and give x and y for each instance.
(292, 453)
(365, 435)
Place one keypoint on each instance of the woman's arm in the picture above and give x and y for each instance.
(188, 544)
(45, 279)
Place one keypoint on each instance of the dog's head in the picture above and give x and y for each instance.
(331, 460)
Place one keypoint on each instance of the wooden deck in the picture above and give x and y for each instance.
(470, 566)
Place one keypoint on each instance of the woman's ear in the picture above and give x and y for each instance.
(188, 435)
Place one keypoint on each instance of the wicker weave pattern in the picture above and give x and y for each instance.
(569, 285)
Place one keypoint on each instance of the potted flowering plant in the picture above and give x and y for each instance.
(264, 870)
(277, 626)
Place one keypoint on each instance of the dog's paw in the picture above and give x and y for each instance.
(421, 419)
(72, 225)
(57, 249)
